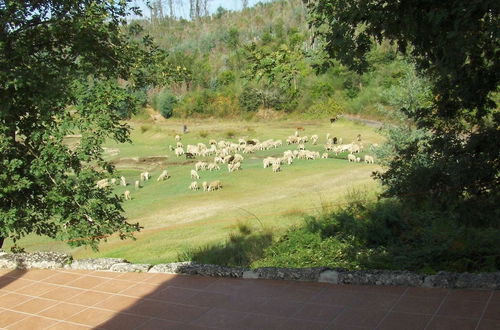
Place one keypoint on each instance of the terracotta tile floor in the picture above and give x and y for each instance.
(64, 299)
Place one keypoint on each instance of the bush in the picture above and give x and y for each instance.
(250, 99)
(324, 108)
(164, 102)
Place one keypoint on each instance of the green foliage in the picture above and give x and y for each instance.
(232, 38)
(250, 99)
(457, 164)
(386, 235)
(164, 102)
(66, 68)
(324, 108)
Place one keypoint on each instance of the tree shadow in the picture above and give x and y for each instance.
(11, 276)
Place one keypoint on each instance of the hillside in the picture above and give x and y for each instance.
(231, 64)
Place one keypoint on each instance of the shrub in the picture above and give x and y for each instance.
(164, 102)
(145, 128)
(250, 99)
(230, 134)
(203, 134)
(324, 108)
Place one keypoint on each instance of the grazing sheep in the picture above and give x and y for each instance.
(214, 185)
(212, 142)
(301, 147)
(314, 139)
(296, 133)
(234, 166)
(127, 196)
(200, 166)
(339, 140)
(194, 185)
(334, 140)
(324, 155)
(179, 145)
(145, 176)
(358, 159)
(189, 155)
(104, 183)
(113, 181)
(276, 167)
(213, 167)
(205, 186)
(170, 147)
(177, 138)
(194, 175)
(123, 181)
(328, 136)
(137, 184)
(163, 176)
(351, 158)
(179, 152)
(369, 159)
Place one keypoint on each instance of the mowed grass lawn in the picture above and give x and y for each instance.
(175, 218)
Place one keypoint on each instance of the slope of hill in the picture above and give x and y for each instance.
(231, 64)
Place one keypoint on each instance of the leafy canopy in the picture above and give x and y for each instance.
(455, 45)
(66, 67)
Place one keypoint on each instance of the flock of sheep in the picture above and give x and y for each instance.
(227, 153)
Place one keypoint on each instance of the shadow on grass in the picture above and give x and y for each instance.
(241, 249)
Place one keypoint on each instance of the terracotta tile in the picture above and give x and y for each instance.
(188, 282)
(61, 311)
(496, 296)
(92, 316)
(220, 318)
(141, 290)
(407, 321)
(88, 282)
(37, 289)
(117, 303)
(355, 299)
(452, 323)
(168, 311)
(156, 324)
(208, 299)
(33, 322)
(319, 313)
(88, 298)
(68, 326)
(35, 305)
(469, 294)
(487, 324)
(419, 305)
(292, 324)
(123, 321)
(113, 286)
(258, 322)
(296, 292)
(243, 303)
(10, 300)
(173, 294)
(105, 274)
(157, 278)
(360, 317)
(135, 277)
(277, 307)
(426, 292)
(462, 308)
(62, 293)
(62, 278)
(38, 274)
(257, 289)
(10, 317)
(15, 273)
(375, 289)
(17, 284)
(492, 311)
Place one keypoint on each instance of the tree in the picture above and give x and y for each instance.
(455, 45)
(66, 67)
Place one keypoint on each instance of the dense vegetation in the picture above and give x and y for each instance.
(232, 64)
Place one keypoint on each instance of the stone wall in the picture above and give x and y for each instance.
(54, 260)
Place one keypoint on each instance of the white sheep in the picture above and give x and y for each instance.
(314, 139)
(137, 184)
(179, 145)
(163, 176)
(276, 167)
(123, 181)
(234, 167)
(177, 138)
(194, 185)
(113, 181)
(324, 155)
(200, 166)
(205, 186)
(145, 176)
(369, 159)
(328, 136)
(351, 158)
(194, 175)
(127, 195)
(358, 159)
(213, 167)
(214, 185)
(179, 152)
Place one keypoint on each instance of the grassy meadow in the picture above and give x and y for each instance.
(176, 219)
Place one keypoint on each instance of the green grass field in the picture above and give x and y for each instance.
(176, 219)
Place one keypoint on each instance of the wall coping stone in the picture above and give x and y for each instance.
(56, 260)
